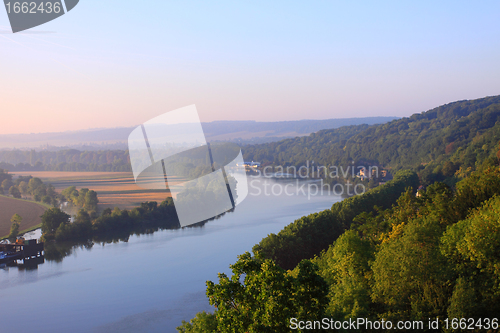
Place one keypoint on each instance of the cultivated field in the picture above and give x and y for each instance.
(30, 212)
(114, 189)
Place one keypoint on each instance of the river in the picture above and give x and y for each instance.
(152, 282)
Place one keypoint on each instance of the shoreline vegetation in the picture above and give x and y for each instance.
(419, 252)
(430, 255)
(112, 226)
(423, 245)
(61, 231)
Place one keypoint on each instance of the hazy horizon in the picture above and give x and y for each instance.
(235, 131)
(118, 63)
(214, 121)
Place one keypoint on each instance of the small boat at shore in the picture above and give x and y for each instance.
(5, 256)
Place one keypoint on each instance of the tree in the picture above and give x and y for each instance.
(4, 174)
(472, 246)
(47, 200)
(91, 201)
(39, 192)
(268, 296)
(23, 187)
(346, 268)
(51, 191)
(14, 191)
(51, 219)
(80, 199)
(69, 193)
(82, 217)
(33, 184)
(14, 229)
(202, 323)
(6, 184)
(410, 273)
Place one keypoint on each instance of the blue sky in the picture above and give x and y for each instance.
(119, 63)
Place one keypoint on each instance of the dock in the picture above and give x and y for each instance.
(27, 251)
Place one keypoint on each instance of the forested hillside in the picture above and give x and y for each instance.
(65, 160)
(311, 234)
(435, 143)
(389, 254)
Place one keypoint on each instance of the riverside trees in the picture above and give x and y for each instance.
(432, 256)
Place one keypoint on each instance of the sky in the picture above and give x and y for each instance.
(120, 63)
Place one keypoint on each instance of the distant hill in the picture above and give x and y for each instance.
(436, 143)
(237, 131)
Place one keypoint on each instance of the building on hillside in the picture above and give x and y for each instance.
(251, 164)
(420, 190)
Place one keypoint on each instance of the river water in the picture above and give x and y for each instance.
(152, 282)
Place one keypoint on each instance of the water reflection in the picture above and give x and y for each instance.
(148, 281)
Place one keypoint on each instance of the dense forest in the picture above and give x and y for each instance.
(435, 144)
(392, 254)
(65, 160)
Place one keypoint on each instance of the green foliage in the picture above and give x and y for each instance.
(399, 256)
(90, 203)
(42, 192)
(51, 220)
(4, 175)
(46, 200)
(409, 272)
(14, 191)
(202, 323)
(14, 229)
(23, 187)
(436, 143)
(311, 234)
(112, 225)
(69, 193)
(475, 189)
(267, 297)
(464, 302)
(430, 256)
(34, 184)
(346, 268)
(472, 245)
(80, 229)
(7, 184)
(65, 160)
(84, 198)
